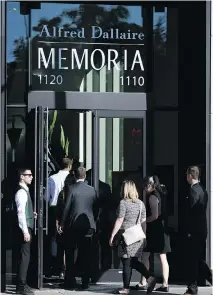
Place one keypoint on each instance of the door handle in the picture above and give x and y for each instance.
(46, 154)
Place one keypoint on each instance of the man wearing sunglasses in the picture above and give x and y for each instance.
(26, 218)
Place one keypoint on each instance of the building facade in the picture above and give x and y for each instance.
(125, 89)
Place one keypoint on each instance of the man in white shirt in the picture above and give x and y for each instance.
(55, 186)
(26, 217)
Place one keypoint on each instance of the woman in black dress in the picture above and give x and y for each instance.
(157, 237)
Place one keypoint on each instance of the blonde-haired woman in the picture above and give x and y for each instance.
(127, 216)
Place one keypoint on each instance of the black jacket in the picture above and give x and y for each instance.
(81, 209)
(196, 211)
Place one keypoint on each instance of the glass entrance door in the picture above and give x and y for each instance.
(51, 136)
(111, 145)
(120, 153)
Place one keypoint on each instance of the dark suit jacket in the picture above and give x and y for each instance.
(196, 213)
(80, 212)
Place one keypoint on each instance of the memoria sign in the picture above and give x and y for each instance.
(60, 55)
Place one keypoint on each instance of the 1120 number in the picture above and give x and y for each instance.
(50, 79)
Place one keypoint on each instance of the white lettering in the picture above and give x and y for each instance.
(96, 30)
(141, 36)
(44, 30)
(74, 57)
(41, 58)
(102, 59)
(81, 33)
(60, 58)
(112, 60)
(137, 60)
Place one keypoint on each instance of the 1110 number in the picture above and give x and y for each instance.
(135, 81)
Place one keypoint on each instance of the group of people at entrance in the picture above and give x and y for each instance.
(140, 228)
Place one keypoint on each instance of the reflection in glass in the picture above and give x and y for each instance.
(15, 154)
(17, 28)
(70, 41)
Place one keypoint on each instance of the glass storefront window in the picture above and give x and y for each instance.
(88, 47)
(17, 30)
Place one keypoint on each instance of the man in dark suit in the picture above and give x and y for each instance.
(196, 229)
(105, 224)
(79, 224)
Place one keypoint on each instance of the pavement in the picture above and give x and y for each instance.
(108, 288)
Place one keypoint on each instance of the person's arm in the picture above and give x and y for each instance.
(193, 197)
(143, 218)
(21, 201)
(119, 220)
(153, 202)
(48, 192)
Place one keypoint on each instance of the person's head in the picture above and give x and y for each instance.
(151, 183)
(129, 191)
(80, 173)
(25, 176)
(75, 164)
(66, 164)
(193, 174)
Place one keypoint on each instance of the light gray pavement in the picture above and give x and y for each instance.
(108, 289)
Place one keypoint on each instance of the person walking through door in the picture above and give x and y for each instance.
(196, 230)
(55, 186)
(25, 216)
(157, 236)
(78, 223)
(128, 213)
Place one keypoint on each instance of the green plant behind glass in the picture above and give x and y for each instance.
(64, 142)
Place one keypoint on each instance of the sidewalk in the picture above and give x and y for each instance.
(109, 288)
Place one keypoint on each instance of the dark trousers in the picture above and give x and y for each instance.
(83, 244)
(60, 253)
(195, 246)
(128, 265)
(51, 235)
(105, 249)
(24, 259)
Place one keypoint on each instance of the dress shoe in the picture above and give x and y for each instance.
(162, 289)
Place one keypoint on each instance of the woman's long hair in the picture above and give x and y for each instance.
(129, 191)
(154, 182)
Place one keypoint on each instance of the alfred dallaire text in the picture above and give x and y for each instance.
(56, 57)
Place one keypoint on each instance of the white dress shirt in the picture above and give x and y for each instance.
(21, 198)
(80, 180)
(55, 186)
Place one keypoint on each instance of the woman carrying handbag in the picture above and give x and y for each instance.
(129, 236)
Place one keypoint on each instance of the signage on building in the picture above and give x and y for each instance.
(65, 59)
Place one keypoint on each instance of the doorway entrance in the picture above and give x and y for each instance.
(110, 143)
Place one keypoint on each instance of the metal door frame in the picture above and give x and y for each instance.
(68, 100)
(41, 140)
